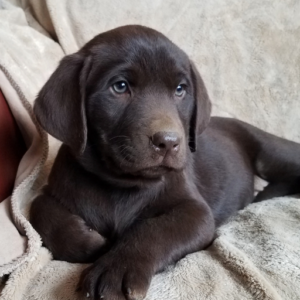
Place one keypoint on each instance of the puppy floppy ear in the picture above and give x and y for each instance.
(60, 105)
(202, 108)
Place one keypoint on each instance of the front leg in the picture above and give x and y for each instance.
(151, 244)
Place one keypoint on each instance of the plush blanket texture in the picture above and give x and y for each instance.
(248, 53)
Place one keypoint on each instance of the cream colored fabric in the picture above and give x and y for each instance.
(27, 58)
(16, 244)
(248, 53)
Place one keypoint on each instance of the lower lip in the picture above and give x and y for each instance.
(152, 172)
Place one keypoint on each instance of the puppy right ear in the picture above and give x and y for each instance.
(60, 105)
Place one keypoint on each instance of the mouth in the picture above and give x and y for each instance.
(134, 165)
(152, 172)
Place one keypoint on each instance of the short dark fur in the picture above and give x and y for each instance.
(125, 191)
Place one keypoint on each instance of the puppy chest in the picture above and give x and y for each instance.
(111, 213)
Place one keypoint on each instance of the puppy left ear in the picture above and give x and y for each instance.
(201, 110)
(60, 105)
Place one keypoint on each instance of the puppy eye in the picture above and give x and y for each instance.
(120, 87)
(180, 90)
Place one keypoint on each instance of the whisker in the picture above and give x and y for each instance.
(119, 136)
(127, 156)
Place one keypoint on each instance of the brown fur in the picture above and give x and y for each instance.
(125, 191)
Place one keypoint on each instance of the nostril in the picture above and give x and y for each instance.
(162, 146)
(175, 146)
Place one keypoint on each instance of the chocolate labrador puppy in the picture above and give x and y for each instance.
(144, 176)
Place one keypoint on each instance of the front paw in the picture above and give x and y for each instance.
(117, 277)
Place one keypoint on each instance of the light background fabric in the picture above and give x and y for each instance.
(248, 54)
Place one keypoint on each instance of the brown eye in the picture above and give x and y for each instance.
(120, 87)
(180, 90)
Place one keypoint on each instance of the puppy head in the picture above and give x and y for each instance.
(131, 95)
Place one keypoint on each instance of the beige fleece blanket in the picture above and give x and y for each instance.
(249, 55)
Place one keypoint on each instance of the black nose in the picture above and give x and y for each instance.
(166, 141)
